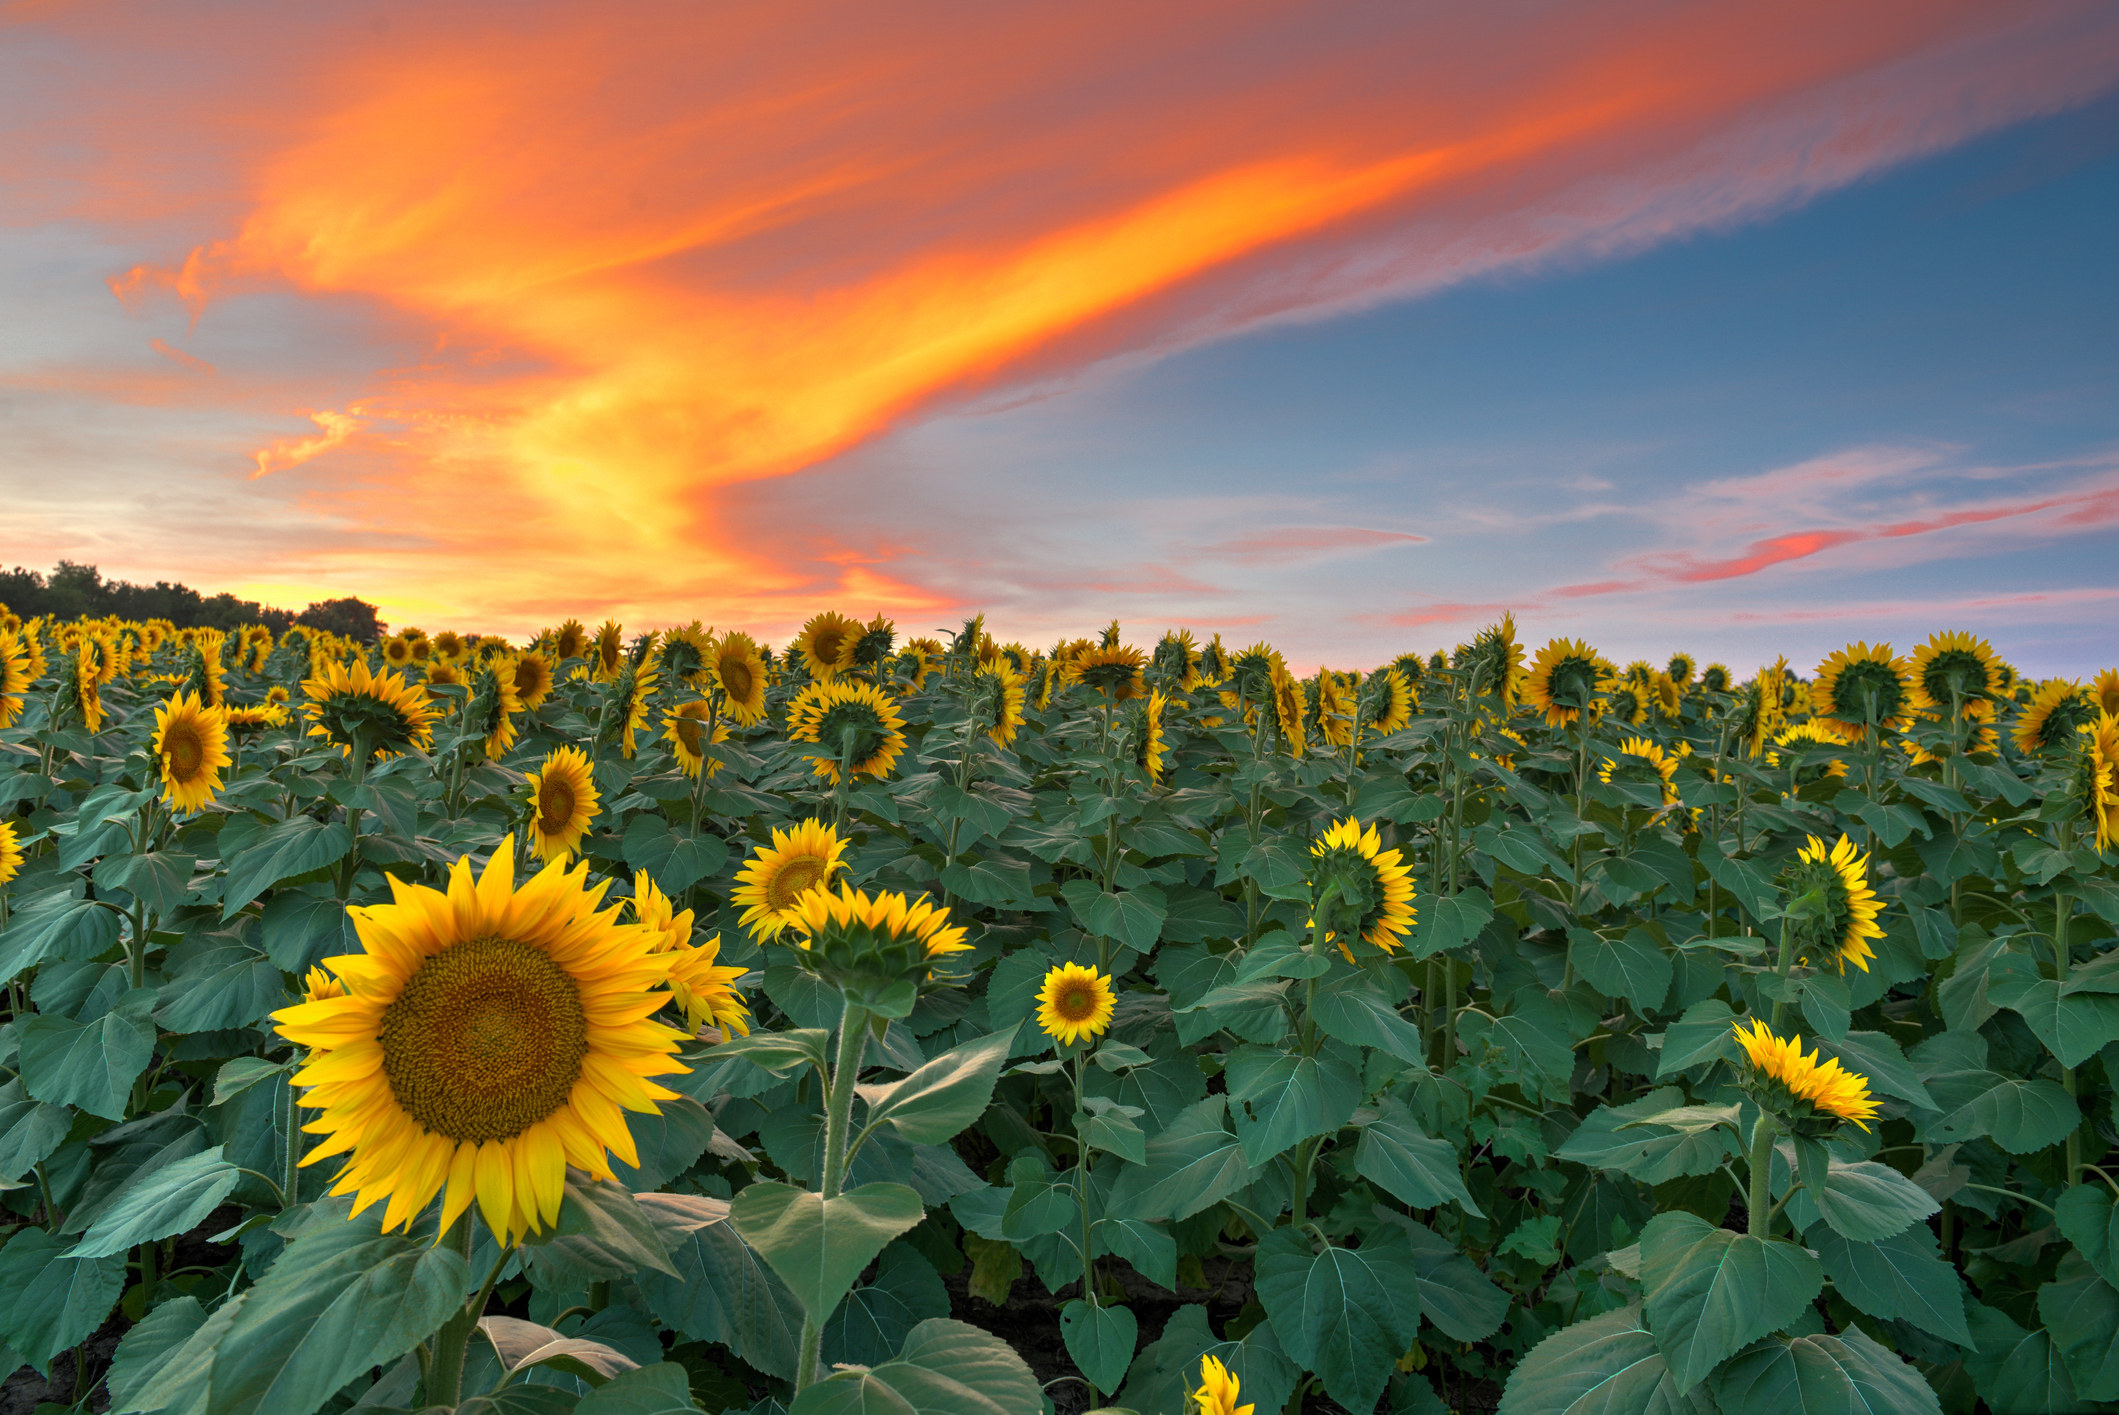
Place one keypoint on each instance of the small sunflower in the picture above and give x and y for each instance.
(1566, 679)
(570, 640)
(1838, 878)
(10, 853)
(2051, 717)
(1176, 661)
(773, 883)
(1151, 750)
(1288, 706)
(1760, 713)
(853, 720)
(1493, 662)
(1715, 678)
(827, 644)
(191, 747)
(1680, 668)
(705, 991)
(862, 942)
(492, 707)
(563, 801)
(996, 700)
(2105, 689)
(488, 1038)
(1668, 697)
(686, 655)
(442, 673)
(625, 713)
(1372, 887)
(533, 679)
(1953, 667)
(1656, 766)
(371, 712)
(1219, 1390)
(877, 637)
(397, 651)
(2097, 776)
(1213, 663)
(15, 676)
(256, 717)
(1334, 714)
(685, 727)
(740, 670)
(1798, 1088)
(449, 646)
(1861, 687)
(87, 696)
(607, 651)
(1114, 671)
(1804, 737)
(1387, 701)
(1075, 1003)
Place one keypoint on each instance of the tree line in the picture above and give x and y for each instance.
(73, 590)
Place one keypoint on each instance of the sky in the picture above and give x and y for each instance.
(1736, 328)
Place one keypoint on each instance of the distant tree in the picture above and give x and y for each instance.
(354, 618)
(73, 590)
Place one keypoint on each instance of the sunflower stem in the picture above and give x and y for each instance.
(445, 1370)
(1081, 1186)
(838, 1117)
(1786, 965)
(1758, 1212)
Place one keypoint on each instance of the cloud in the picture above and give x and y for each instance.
(1282, 544)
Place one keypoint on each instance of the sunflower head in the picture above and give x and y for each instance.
(1829, 905)
(2096, 777)
(1386, 701)
(563, 801)
(1412, 668)
(877, 950)
(1492, 662)
(1289, 710)
(570, 640)
(1360, 890)
(685, 727)
(1805, 737)
(1953, 668)
(368, 713)
(1808, 1096)
(1075, 1003)
(1149, 747)
(1113, 671)
(1219, 1390)
(1213, 663)
(1251, 674)
(827, 643)
(684, 654)
(994, 700)
(773, 883)
(191, 748)
(533, 679)
(1642, 762)
(10, 852)
(2049, 721)
(874, 642)
(15, 676)
(625, 715)
(704, 990)
(1861, 687)
(740, 672)
(1175, 661)
(1566, 679)
(2105, 689)
(1680, 668)
(856, 723)
(1331, 708)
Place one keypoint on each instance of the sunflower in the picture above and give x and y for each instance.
(1493, 662)
(685, 727)
(449, 646)
(491, 711)
(686, 654)
(2097, 776)
(1844, 918)
(1176, 660)
(489, 1037)
(914, 662)
(861, 942)
(10, 853)
(1372, 889)
(15, 676)
(741, 673)
(1387, 701)
(878, 636)
(1213, 663)
(705, 991)
(995, 704)
(1566, 679)
(2051, 717)
(1151, 750)
(374, 712)
(1805, 736)
(1288, 711)
(1114, 671)
(1661, 768)
(1680, 669)
(2105, 689)
(1861, 687)
(1668, 697)
(88, 693)
(1219, 1390)
(1334, 709)
(853, 720)
(444, 674)
(1797, 1087)
(256, 717)
(606, 653)
(1953, 667)
(797, 861)
(563, 801)
(533, 679)
(397, 651)
(570, 640)
(191, 746)
(625, 711)
(827, 644)
(1075, 1003)
(1760, 714)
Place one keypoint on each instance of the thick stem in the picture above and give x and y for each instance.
(1786, 965)
(1082, 1195)
(445, 1368)
(838, 1117)
(1759, 1212)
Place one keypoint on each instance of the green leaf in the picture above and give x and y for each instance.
(1625, 1138)
(1446, 922)
(158, 879)
(54, 1299)
(725, 1294)
(664, 1388)
(781, 1053)
(1345, 1313)
(139, 1378)
(2089, 1219)
(159, 1201)
(1632, 966)
(603, 1232)
(674, 861)
(1105, 1125)
(946, 1368)
(876, 1317)
(1709, 1292)
(56, 927)
(819, 1246)
(2020, 1116)
(29, 1130)
(292, 847)
(1101, 1340)
(91, 1065)
(1134, 916)
(1147, 1246)
(2073, 1026)
(1877, 1057)
(1410, 1165)
(341, 1298)
(303, 929)
(522, 1346)
(1277, 1098)
(1454, 1294)
(1701, 1033)
(2081, 1310)
(1863, 1200)
(1900, 1278)
(1036, 1205)
(1846, 1374)
(219, 985)
(941, 1098)
(2017, 1372)
(1608, 1365)
(1533, 1037)
(1194, 1163)
(1354, 1010)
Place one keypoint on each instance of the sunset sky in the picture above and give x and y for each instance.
(1736, 327)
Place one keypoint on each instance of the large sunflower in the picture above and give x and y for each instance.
(703, 989)
(827, 643)
(1113, 671)
(855, 720)
(191, 747)
(1951, 667)
(864, 942)
(1075, 1002)
(371, 712)
(2097, 776)
(563, 801)
(1797, 1087)
(741, 671)
(685, 727)
(1861, 687)
(488, 1038)
(1566, 679)
(1839, 877)
(773, 883)
(2048, 721)
(1372, 887)
(533, 679)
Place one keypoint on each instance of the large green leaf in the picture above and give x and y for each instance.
(819, 1246)
(1627, 1139)
(2081, 1310)
(1454, 1294)
(2017, 1372)
(603, 1232)
(1632, 966)
(876, 1317)
(1607, 1365)
(1899, 1278)
(141, 1377)
(29, 1130)
(664, 1388)
(2020, 1116)
(1277, 1098)
(2073, 1026)
(54, 1299)
(937, 1100)
(1353, 1009)
(54, 927)
(1134, 917)
(1848, 1374)
(1344, 1313)
(219, 983)
(1410, 1165)
(1449, 922)
(674, 860)
(1194, 1163)
(1101, 1340)
(1709, 1292)
(725, 1294)
(1533, 1038)
(158, 879)
(1701, 1034)
(946, 1368)
(2089, 1219)
(159, 1201)
(91, 1065)
(292, 847)
(1863, 1200)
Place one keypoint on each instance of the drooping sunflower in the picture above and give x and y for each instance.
(2049, 720)
(864, 943)
(563, 800)
(1387, 701)
(88, 693)
(1114, 671)
(1372, 888)
(368, 712)
(853, 720)
(10, 853)
(741, 672)
(1566, 679)
(1837, 877)
(773, 883)
(1219, 1390)
(488, 1037)
(1074, 1003)
(995, 702)
(607, 651)
(686, 654)
(1953, 667)
(533, 679)
(191, 747)
(1804, 737)
(703, 989)
(1655, 766)
(827, 644)
(1150, 748)
(1860, 687)
(685, 727)
(1808, 1094)
(1493, 662)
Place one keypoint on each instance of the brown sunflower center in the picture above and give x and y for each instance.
(688, 730)
(736, 678)
(185, 752)
(485, 1040)
(555, 805)
(1076, 1003)
(796, 877)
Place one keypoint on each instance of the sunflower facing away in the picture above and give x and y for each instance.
(827, 643)
(1075, 1002)
(1387, 701)
(1861, 687)
(685, 727)
(704, 990)
(1335, 709)
(626, 714)
(1114, 671)
(1805, 737)
(1760, 714)
(854, 720)
(996, 701)
(488, 1038)
(371, 712)
(10, 853)
(773, 883)
(1566, 679)
(1648, 762)
(1219, 1390)
(2104, 688)
(1840, 877)
(1176, 661)
(1371, 885)
(1953, 667)
(1798, 1087)
(1288, 708)
(191, 747)
(859, 941)
(686, 654)
(1715, 678)
(2049, 720)
(740, 669)
(563, 801)
(493, 705)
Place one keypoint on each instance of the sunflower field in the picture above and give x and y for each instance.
(633, 1025)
